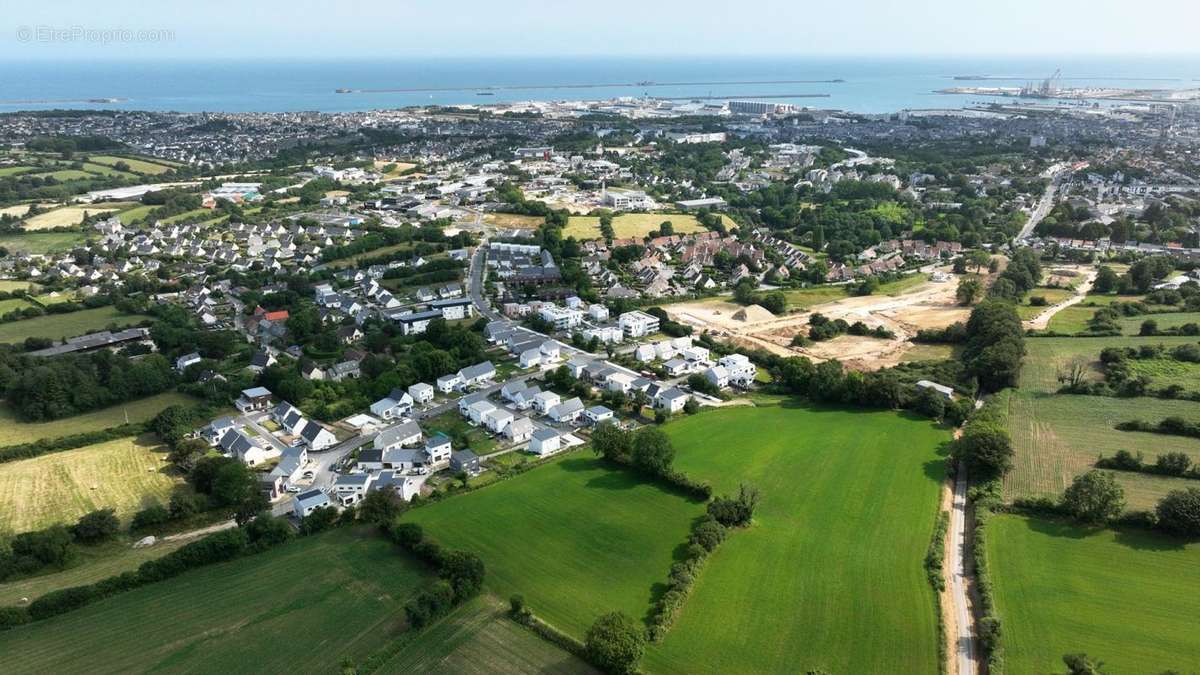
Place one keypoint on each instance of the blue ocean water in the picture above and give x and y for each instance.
(871, 85)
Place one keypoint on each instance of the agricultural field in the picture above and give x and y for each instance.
(10, 285)
(65, 216)
(59, 326)
(513, 221)
(61, 486)
(89, 565)
(575, 538)
(13, 431)
(11, 304)
(353, 260)
(1059, 437)
(835, 553)
(195, 215)
(634, 225)
(1053, 296)
(15, 170)
(54, 298)
(1130, 325)
(478, 637)
(1044, 357)
(41, 243)
(136, 165)
(1166, 372)
(133, 215)
(66, 174)
(926, 352)
(1129, 598)
(1074, 318)
(305, 606)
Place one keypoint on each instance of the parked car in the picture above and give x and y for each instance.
(293, 488)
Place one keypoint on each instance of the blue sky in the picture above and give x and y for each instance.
(408, 28)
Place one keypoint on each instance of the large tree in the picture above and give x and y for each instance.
(1179, 512)
(1094, 497)
(652, 450)
(615, 643)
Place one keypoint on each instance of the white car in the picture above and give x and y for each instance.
(293, 488)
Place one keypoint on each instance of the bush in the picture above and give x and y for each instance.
(1179, 512)
(1172, 464)
(615, 644)
(96, 526)
(155, 514)
(58, 602)
(708, 533)
(735, 511)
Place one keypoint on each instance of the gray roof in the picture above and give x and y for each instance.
(599, 410)
(478, 370)
(372, 455)
(397, 433)
(437, 440)
(311, 498)
(352, 479)
(464, 456)
(256, 392)
(545, 434)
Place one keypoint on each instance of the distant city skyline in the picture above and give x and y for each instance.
(266, 29)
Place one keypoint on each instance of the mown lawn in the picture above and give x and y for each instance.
(13, 431)
(302, 607)
(575, 538)
(478, 637)
(1058, 437)
(1129, 598)
(59, 326)
(59, 487)
(829, 576)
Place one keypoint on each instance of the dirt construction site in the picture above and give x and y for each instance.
(929, 305)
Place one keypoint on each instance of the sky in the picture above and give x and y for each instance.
(361, 29)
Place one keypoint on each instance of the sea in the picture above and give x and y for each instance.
(865, 85)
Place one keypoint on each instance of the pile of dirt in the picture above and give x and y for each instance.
(753, 314)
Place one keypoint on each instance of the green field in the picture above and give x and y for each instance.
(1053, 296)
(1129, 598)
(15, 285)
(575, 538)
(1059, 437)
(352, 261)
(804, 298)
(59, 326)
(61, 486)
(88, 565)
(302, 607)
(66, 174)
(1166, 372)
(1130, 325)
(41, 243)
(13, 431)
(927, 352)
(138, 165)
(453, 425)
(11, 304)
(195, 215)
(1045, 356)
(478, 637)
(133, 215)
(830, 574)
(634, 225)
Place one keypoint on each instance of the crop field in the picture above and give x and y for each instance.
(105, 170)
(634, 225)
(59, 326)
(137, 165)
(1129, 598)
(835, 551)
(41, 243)
(15, 170)
(1045, 356)
(302, 607)
(575, 538)
(478, 637)
(1059, 437)
(61, 486)
(89, 565)
(63, 217)
(13, 431)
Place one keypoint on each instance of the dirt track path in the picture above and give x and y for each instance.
(1042, 320)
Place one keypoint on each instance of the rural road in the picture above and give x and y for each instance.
(966, 660)
(1041, 321)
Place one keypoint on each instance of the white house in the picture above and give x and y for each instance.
(393, 405)
(448, 383)
(398, 436)
(671, 400)
(438, 451)
(305, 503)
(497, 419)
(531, 358)
(525, 398)
(477, 374)
(544, 442)
(519, 430)
(567, 411)
(636, 324)
(597, 414)
(718, 376)
(740, 369)
(421, 393)
(186, 360)
(598, 312)
(350, 488)
(676, 367)
(546, 400)
(318, 437)
(645, 353)
(477, 410)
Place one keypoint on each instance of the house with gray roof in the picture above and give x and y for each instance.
(406, 433)
(305, 503)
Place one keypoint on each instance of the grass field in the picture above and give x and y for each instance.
(1166, 372)
(1053, 296)
(195, 215)
(138, 165)
(804, 298)
(63, 217)
(301, 607)
(635, 225)
(133, 215)
(90, 564)
(575, 538)
(41, 243)
(66, 174)
(54, 298)
(61, 486)
(14, 170)
(1130, 325)
(13, 431)
(1074, 318)
(513, 221)
(15, 285)
(373, 253)
(830, 574)
(1128, 598)
(59, 326)
(926, 352)
(453, 425)
(1059, 437)
(1044, 356)
(478, 637)
(11, 304)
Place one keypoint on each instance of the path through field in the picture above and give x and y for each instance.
(1042, 320)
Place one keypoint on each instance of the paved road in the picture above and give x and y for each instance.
(322, 465)
(966, 658)
(475, 283)
(1043, 206)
